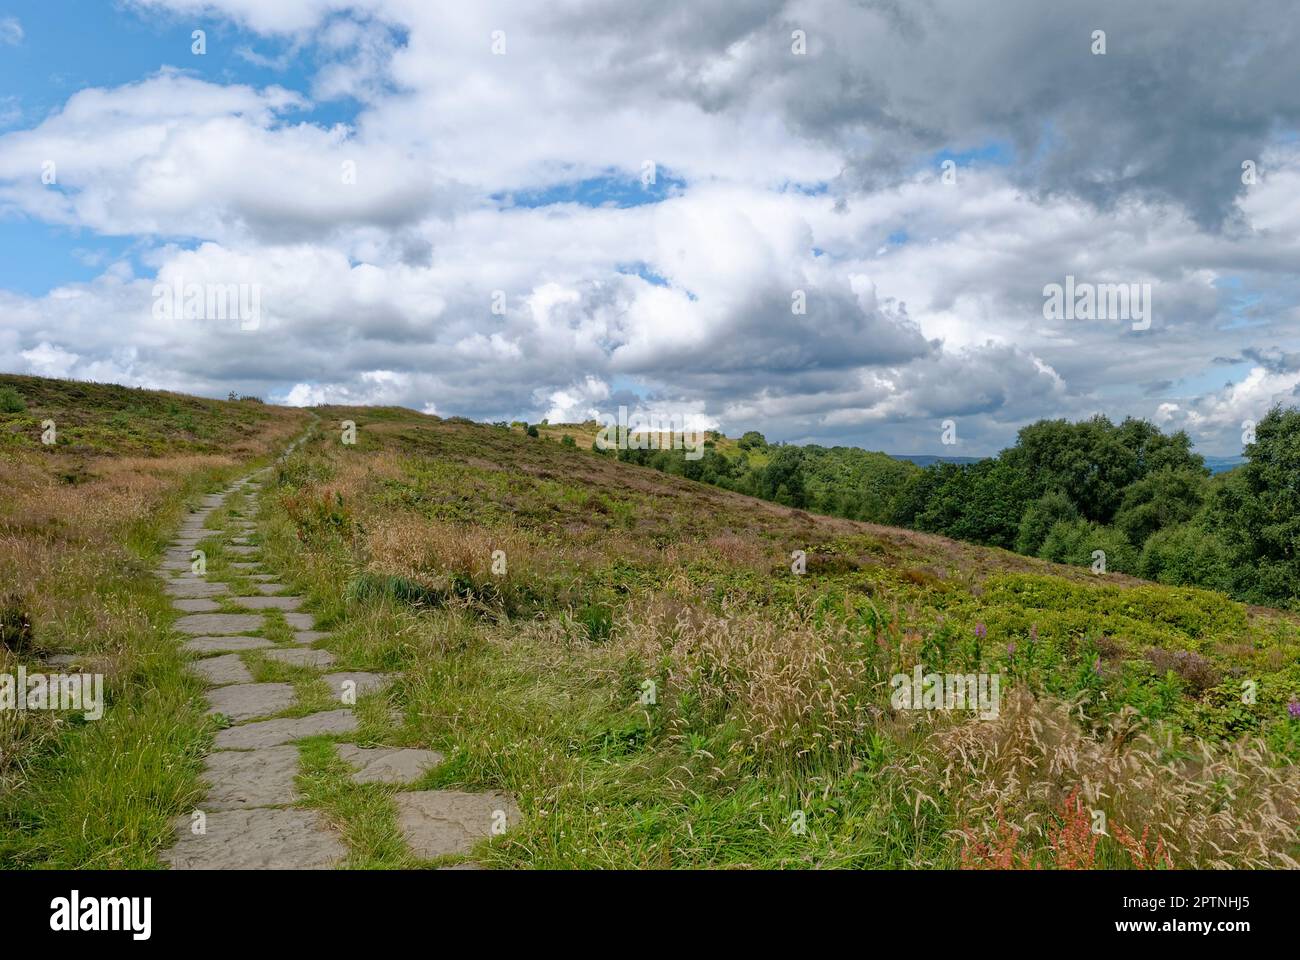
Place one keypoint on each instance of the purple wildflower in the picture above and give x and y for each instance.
(981, 631)
(1293, 708)
(1011, 649)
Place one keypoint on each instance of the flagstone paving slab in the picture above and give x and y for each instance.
(251, 778)
(388, 765)
(216, 623)
(270, 733)
(256, 840)
(244, 701)
(299, 657)
(269, 587)
(222, 670)
(243, 565)
(241, 551)
(300, 621)
(195, 605)
(194, 587)
(269, 603)
(309, 636)
(226, 644)
(436, 823)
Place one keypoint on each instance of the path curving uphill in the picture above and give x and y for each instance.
(252, 817)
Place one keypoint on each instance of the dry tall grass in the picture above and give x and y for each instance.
(1208, 806)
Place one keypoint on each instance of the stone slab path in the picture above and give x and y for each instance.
(250, 818)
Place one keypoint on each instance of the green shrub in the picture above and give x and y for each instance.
(11, 401)
(1187, 555)
(1073, 542)
(1038, 520)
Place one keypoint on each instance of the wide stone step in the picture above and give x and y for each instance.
(256, 840)
(218, 623)
(271, 733)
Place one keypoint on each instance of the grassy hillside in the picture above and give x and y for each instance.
(633, 656)
(658, 688)
(82, 521)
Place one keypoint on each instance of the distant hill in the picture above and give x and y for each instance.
(1215, 464)
(1223, 464)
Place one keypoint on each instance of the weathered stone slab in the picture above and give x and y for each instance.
(348, 684)
(225, 644)
(436, 823)
(270, 733)
(222, 670)
(388, 765)
(243, 565)
(215, 623)
(256, 840)
(300, 621)
(240, 779)
(243, 701)
(302, 657)
(269, 587)
(241, 551)
(309, 636)
(195, 605)
(269, 603)
(194, 587)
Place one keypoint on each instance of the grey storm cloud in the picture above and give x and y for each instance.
(1186, 92)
